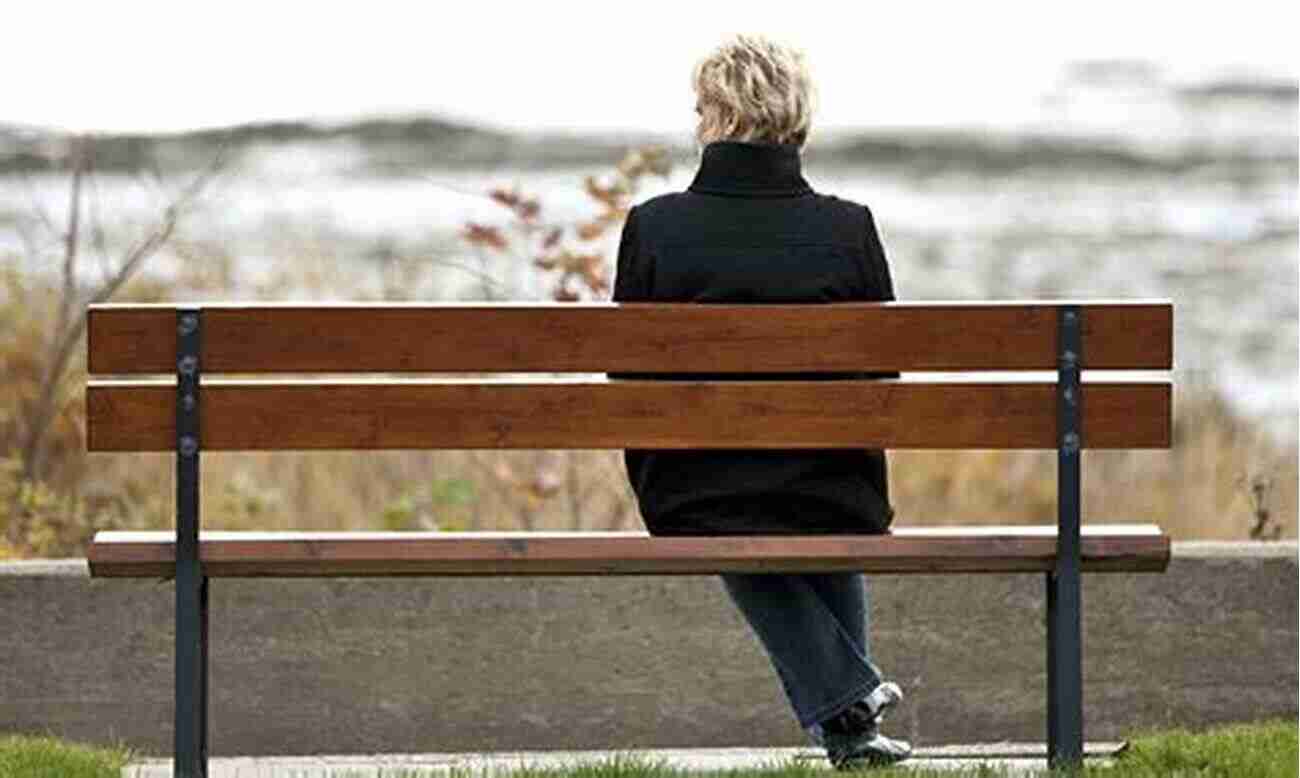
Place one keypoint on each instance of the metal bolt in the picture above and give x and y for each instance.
(188, 402)
(189, 323)
(1070, 443)
(188, 365)
(1069, 358)
(189, 446)
(1069, 395)
(1070, 316)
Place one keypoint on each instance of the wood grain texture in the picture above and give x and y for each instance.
(1105, 548)
(129, 339)
(266, 416)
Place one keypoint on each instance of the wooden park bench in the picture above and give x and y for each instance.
(174, 411)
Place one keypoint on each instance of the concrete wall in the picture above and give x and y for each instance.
(449, 664)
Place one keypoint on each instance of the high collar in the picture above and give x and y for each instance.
(742, 168)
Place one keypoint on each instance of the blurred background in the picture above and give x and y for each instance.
(256, 152)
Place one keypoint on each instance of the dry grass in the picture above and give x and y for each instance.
(1199, 489)
(1212, 484)
(1196, 490)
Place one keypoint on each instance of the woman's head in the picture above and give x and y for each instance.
(753, 89)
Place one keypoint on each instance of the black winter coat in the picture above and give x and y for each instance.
(751, 230)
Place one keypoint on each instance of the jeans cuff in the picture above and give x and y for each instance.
(840, 704)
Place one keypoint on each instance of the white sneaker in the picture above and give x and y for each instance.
(873, 751)
(852, 738)
(882, 698)
(875, 705)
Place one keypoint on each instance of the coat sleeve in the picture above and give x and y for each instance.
(879, 265)
(877, 464)
(631, 272)
(631, 281)
(632, 284)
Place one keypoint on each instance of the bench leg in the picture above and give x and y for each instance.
(1064, 606)
(191, 743)
(190, 754)
(1064, 671)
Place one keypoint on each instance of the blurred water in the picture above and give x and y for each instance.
(1206, 215)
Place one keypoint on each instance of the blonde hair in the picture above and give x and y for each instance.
(751, 88)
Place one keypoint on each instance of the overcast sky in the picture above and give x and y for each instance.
(147, 66)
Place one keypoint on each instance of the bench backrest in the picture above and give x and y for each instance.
(398, 410)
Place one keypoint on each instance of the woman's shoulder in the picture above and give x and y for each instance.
(667, 204)
(665, 201)
(847, 207)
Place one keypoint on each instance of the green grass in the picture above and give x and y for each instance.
(1263, 750)
(44, 756)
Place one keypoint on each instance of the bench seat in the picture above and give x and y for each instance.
(967, 549)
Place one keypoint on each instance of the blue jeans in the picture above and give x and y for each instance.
(813, 627)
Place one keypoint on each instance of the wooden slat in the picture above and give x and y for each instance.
(632, 337)
(1105, 548)
(264, 416)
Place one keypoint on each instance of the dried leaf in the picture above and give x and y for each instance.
(609, 195)
(599, 283)
(528, 209)
(507, 197)
(587, 263)
(592, 230)
(485, 234)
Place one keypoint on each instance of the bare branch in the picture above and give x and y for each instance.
(36, 206)
(158, 237)
(25, 230)
(71, 328)
(479, 274)
(80, 153)
(98, 238)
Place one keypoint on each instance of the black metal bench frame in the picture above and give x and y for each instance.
(1063, 600)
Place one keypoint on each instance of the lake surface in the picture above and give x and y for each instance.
(1195, 201)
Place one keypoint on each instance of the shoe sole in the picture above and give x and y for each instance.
(859, 763)
(871, 758)
(892, 694)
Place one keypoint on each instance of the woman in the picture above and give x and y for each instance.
(750, 229)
